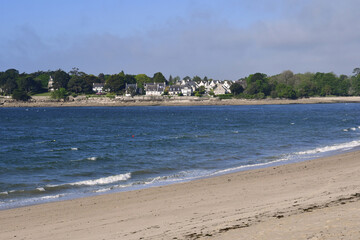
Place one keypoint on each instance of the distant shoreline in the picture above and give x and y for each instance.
(166, 101)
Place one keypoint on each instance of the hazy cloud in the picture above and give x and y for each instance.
(312, 36)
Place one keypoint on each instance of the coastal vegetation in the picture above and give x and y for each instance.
(288, 85)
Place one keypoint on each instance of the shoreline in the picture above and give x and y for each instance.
(166, 101)
(245, 204)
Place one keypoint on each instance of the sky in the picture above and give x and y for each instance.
(220, 39)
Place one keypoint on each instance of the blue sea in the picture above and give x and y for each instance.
(52, 154)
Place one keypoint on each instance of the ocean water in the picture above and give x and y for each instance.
(51, 154)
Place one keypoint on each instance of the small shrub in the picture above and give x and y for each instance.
(59, 94)
(225, 96)
(110, 95)
(20, 95)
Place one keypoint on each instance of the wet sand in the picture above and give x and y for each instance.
(317, 199)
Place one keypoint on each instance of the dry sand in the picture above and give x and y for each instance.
(166, 101)
(317, 199)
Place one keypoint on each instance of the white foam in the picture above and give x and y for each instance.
(41, 189)
(342, 146)
(52, 196)
(92, 158)
(353, 129)
(345, 130)
(248, 166)
(103, 190)
(4, 193)
(102, 181)
(74, 149)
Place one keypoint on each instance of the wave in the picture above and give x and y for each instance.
(103, 181)
(351, 129)
(341, 146)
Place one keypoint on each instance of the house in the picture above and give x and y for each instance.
(187, 90)
(220, 89)
(51, 84)
(131, 90)
(98, 88)
(175, 89)
(154, 89)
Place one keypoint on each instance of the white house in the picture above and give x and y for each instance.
(98, 87)
(175, 89)
(154, 89)
(187, 90)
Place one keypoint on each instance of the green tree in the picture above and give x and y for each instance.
(61, 79)
(43, 79)
(285, 91)
(116, 83)
(197, 79)
(159, 78)
(28, 84)
(236, 88)
(201, 90)
(141, 79)
(9, 86)
(258, 83)
(356, 71)
(171, 80)
(187, 78)
(20, 95)
(130, 79)
(80, 84)
(59, 94)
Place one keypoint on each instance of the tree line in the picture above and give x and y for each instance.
(292, 86)
(258, 85)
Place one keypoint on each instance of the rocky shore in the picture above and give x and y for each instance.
(83, 101)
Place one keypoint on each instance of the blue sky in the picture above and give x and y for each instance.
(225, 39)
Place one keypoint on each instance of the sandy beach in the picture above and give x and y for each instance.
(165, 101)
(317, 199)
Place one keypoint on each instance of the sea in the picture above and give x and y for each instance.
(55, 154)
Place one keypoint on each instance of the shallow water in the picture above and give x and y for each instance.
(49, 154)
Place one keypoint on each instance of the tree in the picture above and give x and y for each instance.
(28, 84)
(101, 77)
(176, 79)
(197, 79)
(201, 90)
(258, 83)
(20, 95)
(171, 80)
(61, 79)
(59, 94)
(356, 71)
(130, 79)
(236, 88)
(79, 84)
(10, 86)
(116, 83)
(285, 91)
(43, 79)
(141, 79)
(131, 90)
(187, 78)
(159, 78)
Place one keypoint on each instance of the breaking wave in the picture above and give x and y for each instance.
(103, 181)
